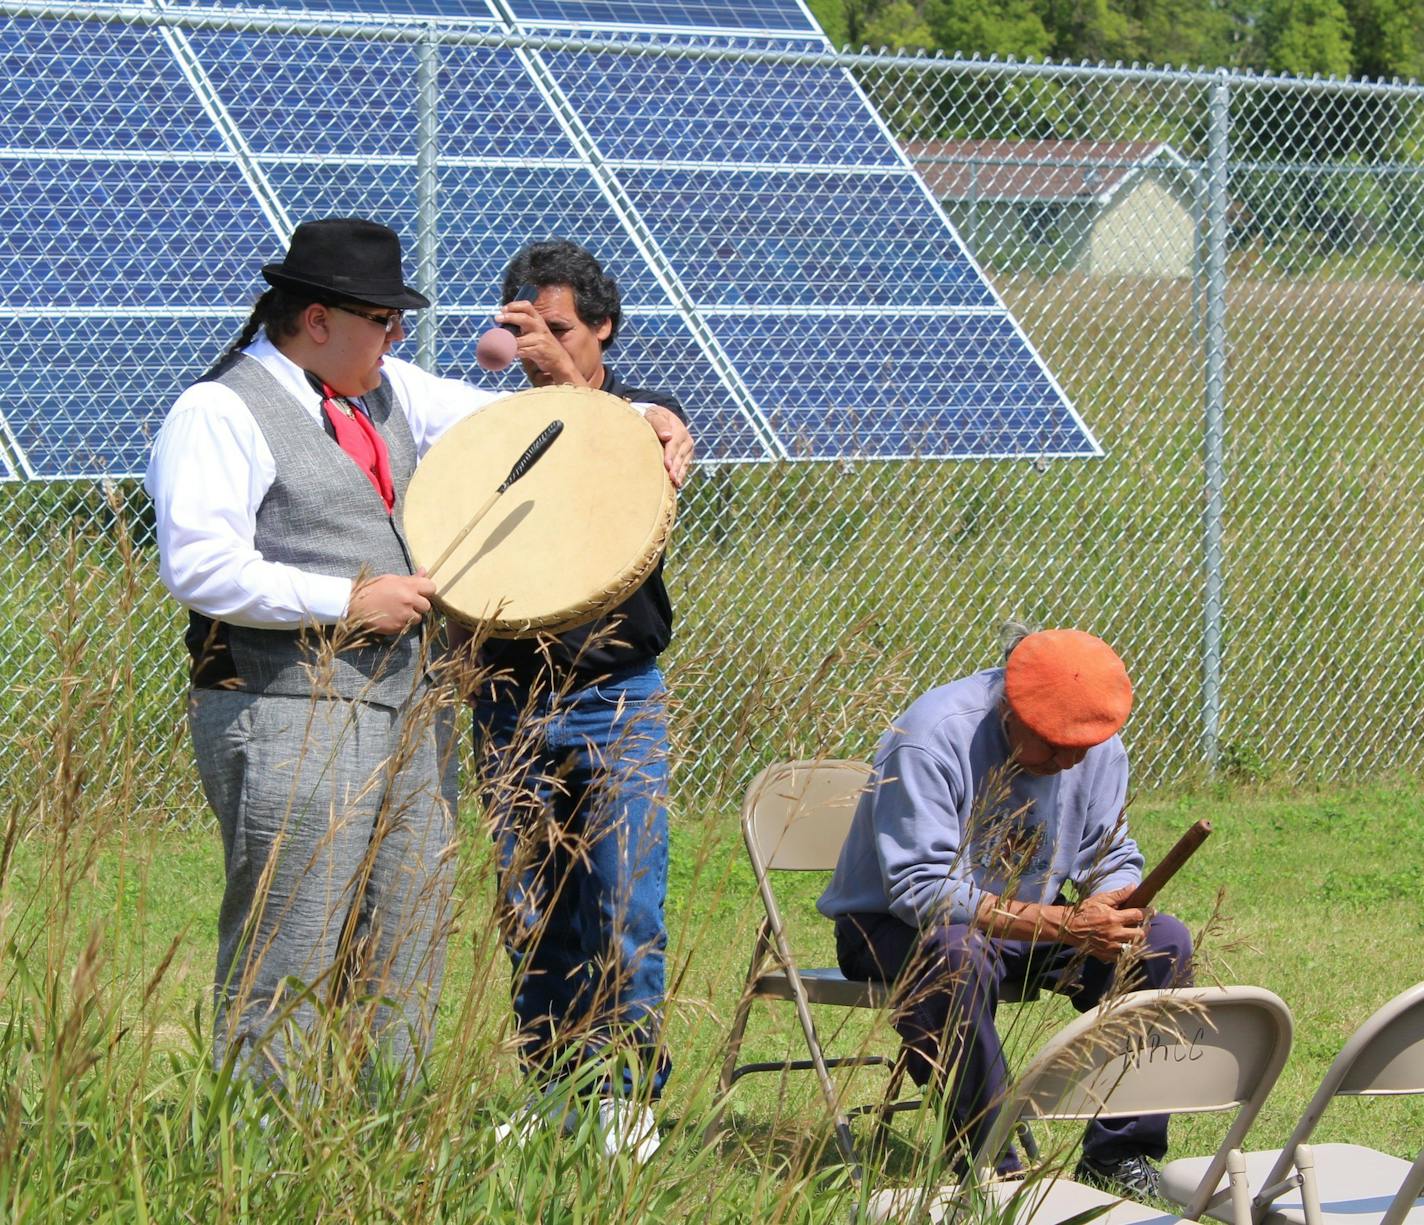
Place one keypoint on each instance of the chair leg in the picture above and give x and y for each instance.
(1309, 1187)
(1240, 1191)
(1027, 1140)
(892, 1093)
(729, 1066)
(813, 1043)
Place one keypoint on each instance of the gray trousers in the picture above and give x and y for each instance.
(337, 824)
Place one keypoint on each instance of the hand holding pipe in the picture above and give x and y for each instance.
(1171, 863)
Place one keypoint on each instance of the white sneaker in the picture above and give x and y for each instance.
(627, 1127)
(535, 1115)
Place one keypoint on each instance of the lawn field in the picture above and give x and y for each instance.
(813, 600)
(111, 1115)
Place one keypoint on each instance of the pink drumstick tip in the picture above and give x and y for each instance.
(496, 349)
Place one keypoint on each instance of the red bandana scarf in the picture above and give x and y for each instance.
(358, 438)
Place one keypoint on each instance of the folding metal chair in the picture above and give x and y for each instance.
(1339, 1183)
(795, 816)
(1188, 1050)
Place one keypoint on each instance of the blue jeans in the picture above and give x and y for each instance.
(576, 786)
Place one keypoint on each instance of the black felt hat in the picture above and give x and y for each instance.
(348, 258)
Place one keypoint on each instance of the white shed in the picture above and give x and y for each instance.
(1109, 208)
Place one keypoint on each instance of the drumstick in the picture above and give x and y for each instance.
(1171, 862)
(532, 454)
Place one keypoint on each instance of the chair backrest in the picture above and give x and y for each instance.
(796, 814)
(1191, 1049)
(1386, 1054)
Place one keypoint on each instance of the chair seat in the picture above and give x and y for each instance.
(830, 986)
(1356, 1185)
(1041, 1202)
(827, 986)
(1048, 1203)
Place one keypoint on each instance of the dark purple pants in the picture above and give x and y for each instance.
(948, 982)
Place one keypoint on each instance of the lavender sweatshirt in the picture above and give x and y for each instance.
(947, 810)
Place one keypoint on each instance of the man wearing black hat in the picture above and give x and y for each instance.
(279, 483)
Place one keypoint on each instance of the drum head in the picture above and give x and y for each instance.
(570, 540)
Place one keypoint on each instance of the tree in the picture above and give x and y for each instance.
(1191, 33)
(1306, 37)
(988, 27)
(1086, 29)
(834, 21)
(898, 26)
(1388, 37)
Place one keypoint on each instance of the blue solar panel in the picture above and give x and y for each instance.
(310, 96)
(886, 386)
(771, 15)
(489, 212)
(651, 350)
(848, 315)
(66, 85)
(674, 108)
(108, 383)
(458, 9)
(762, 238)
(82, 232)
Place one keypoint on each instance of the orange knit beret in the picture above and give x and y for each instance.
(1068, 687)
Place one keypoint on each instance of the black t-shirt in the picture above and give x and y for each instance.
(636, 632)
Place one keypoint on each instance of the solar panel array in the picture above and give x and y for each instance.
(784, 270)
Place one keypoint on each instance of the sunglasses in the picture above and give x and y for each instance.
(388, 323)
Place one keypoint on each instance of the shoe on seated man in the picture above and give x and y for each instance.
(1134, 1177)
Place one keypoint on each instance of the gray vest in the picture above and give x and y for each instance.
(323, 515)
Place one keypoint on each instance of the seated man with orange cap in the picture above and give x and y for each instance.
(991, 795)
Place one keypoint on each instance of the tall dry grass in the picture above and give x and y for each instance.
(115, 1107)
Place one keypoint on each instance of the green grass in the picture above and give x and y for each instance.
(107, 1109)
(813, 600)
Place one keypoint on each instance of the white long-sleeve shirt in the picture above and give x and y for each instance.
(211, 468)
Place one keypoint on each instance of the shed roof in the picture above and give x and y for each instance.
(1041, 171)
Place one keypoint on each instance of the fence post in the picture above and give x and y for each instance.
(1213, 441)
(427, 186)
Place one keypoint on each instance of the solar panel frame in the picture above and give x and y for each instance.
(674, 18)
(99, 90)
(701, 299)
(460, 12)
(158, 231)
(368, 93)
(761, 238)
(8, 471)
(894, 360)
(640, 97)
(366, 159)
(516, 203)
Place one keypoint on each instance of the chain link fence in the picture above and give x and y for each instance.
(1224, 275)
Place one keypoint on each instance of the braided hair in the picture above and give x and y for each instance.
(276, 313)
